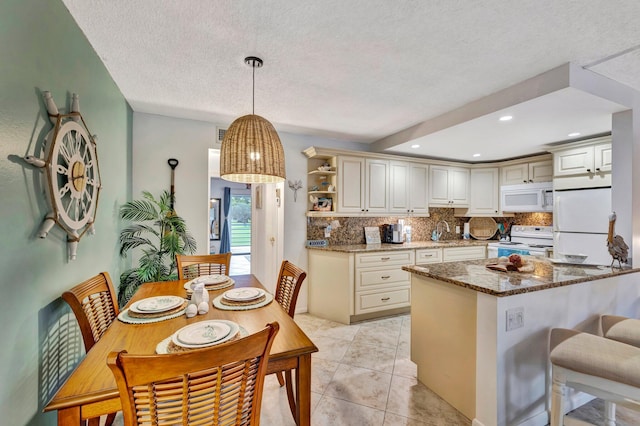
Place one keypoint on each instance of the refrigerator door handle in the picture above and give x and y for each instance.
(556, 208)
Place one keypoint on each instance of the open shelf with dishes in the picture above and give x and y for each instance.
(321, 186)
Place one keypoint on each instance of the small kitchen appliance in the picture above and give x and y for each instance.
(393, 233)
(527, 240)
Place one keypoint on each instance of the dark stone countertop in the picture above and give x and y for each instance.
(368, 248)
(474, 275)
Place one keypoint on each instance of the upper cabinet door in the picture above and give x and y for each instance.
(448, 186)
(602, 157)
(377, 186)
(459, 187)
(515, 174)
(439, 186)
(484, 199)
(541, 171)
(351, 172)
(399, 186)
(418, 189)
(408, 188)
(573, 161)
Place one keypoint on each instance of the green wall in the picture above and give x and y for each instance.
(42, 48)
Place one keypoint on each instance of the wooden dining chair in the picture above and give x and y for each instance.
(93, 302)
(290, 280)
(219, 385)
(194, 266)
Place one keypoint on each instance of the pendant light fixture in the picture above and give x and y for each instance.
(251, 149)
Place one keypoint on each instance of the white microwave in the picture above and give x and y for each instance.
(528, 197)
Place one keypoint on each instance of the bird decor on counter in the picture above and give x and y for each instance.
(295, 185)
(618, 249)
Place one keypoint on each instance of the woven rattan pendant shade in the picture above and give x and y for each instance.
(251, 152)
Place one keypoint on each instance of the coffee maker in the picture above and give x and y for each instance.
(393, 233)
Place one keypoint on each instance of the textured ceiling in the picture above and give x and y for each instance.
(356, 70)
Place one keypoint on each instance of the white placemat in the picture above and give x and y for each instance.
(124, 317)
(268, 298)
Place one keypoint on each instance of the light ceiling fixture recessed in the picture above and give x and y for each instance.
(251, 150)
(415, 146)
(506, 118)
(574, 134)
(476, 155)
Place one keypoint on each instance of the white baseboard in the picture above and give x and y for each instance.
(476, 422)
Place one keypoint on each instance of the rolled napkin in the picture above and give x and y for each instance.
(203, 307)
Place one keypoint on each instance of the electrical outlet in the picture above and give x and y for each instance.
(515, 318)
(457, 229)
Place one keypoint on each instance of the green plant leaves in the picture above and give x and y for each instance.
(160, 236)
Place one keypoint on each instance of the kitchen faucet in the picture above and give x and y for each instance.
(439, 228)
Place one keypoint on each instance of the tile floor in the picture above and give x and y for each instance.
(362, 376)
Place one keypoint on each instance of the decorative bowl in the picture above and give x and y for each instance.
(324, 168)
(575, 258)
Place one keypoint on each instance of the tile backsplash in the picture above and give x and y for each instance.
(351, 230)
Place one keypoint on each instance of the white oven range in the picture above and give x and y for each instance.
(527, 240)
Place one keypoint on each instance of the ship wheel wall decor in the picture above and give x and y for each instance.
(71, 173)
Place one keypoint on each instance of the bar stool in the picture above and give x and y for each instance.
(605, 368)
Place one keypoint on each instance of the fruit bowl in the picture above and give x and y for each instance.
(575, 258)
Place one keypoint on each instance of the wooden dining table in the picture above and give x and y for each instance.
(90, 391)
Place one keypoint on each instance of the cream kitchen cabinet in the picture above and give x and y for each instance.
(408, 188)
(363, 185)
(348, 287)
(537, 171)
(583, 159)
(448, 186)
(484, 199)
(380, 282)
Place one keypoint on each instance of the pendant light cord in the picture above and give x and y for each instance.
(253, 91)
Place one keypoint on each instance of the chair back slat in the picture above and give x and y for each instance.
(289, 282)
(190, 267)
(220, 385)
(94, 305)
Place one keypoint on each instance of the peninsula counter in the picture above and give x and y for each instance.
(480, 337)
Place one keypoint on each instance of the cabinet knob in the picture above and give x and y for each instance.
(589, 170)
(362, 210)
(524, 181)
(384, 299)
(385, 277)
(530, 180)
(597, 169)
(385, 258)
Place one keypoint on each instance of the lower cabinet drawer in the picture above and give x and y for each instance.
(367, 279)
(379, 301)
(452, 254)
(428, 256)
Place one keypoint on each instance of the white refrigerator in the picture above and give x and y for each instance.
(581, 223)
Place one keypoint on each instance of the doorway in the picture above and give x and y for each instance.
(238, 221)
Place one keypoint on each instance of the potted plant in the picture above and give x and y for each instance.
(160, 235)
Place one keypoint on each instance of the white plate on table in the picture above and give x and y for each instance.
(243, 294)
(154, 305)
(206, 280)
(199, 335)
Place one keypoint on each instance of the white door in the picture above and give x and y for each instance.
(267, 233)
